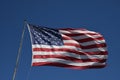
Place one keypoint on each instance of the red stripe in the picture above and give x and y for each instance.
(70, 50)
(69, 29)
(89, 39)
(79, 34)
(86, 47)
(69, 58)
(72, 37)
(66, 66)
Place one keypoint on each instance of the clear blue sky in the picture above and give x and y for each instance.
(98, 15)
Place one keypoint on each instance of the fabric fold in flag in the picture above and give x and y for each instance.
(68, 47)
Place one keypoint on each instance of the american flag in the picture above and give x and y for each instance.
(68, 47)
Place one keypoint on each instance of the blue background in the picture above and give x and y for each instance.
(98, 15)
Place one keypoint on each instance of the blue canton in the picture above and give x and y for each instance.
(45, 36)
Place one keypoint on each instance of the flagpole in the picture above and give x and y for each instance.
(19, 51)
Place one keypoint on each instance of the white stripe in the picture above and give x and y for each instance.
(85, 43)
(76, 31)
(92, 42)
(67, 62)
(82, 36)
(71, 55)
(70, 47)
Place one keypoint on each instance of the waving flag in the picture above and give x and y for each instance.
(70, 48)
